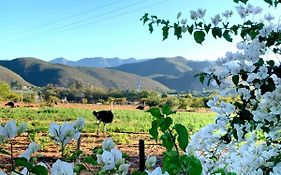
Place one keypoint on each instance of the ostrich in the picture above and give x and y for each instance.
(11, 104)
(105, 116)
(141, 107)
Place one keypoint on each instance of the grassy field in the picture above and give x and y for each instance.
(39, 119)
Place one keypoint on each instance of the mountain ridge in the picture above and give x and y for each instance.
(98, 62)
(41, 73)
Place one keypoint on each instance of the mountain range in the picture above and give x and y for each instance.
(161, 74)
(96, 62)
(41, 73)
(176, 73)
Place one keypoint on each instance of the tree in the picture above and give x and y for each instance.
(246, 135)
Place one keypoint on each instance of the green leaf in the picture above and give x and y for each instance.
(216, 32)
(195, 167)
(150, 25)
(153, 131)
(166, 109)
(171, 162)
(165, 124)
(271, 63)
(270, 2)
(79, 167)
(155, 112)
(90, 160)
(235, 79)
(2, 151)
(207, 27)
(177, 30)
(200, 24)
(165, 32)
(182, 136)
(235, 28)
(167, 141)
(39, 169)
(190, 29)
(139, 173)
(226, 36)
(23, 162)
(199, 36)
(144, 18)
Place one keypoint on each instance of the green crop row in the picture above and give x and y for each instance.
(124, 120)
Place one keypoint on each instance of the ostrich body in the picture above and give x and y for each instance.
(140, 107)
(104, 116)
(11, 104)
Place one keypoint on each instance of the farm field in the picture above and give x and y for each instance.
(128, 127)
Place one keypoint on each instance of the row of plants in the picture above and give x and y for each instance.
(38, 119)
(108, 159)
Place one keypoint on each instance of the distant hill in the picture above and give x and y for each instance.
(9, 76)
(176, 73)
(98, 62)
(41, 73)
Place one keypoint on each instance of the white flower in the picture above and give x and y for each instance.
(64, 133)
(124, 168)
(107, 160)
(263, 72)
(252, 77)
(266, 31)
(276, 169)
(157, 171)
(2, 173)
(32, 148)
(216, 19)
(117, 154)
(10, 130)
(256, 10)
(150, 162)
(62, 168)
(227, 14)
(242, 11)
(22, 128)
(193, 15)
(183, 21)
(108, 144)
(79, 123)
(201, 13)
(268, 17)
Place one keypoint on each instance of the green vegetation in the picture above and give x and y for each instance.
(124, 120)
(12, 78)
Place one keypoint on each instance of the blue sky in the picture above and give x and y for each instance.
(76, 29)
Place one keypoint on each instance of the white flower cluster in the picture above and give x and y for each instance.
(11, 130)
(32, 148)
(244, 139)
(245, 11)
(67, 131)
(58, 168)
(111, 159)
(150, 163)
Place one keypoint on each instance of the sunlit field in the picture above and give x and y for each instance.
(39, 119)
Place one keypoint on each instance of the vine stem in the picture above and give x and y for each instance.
(62, 151)
(11, 154)
(174, 140)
